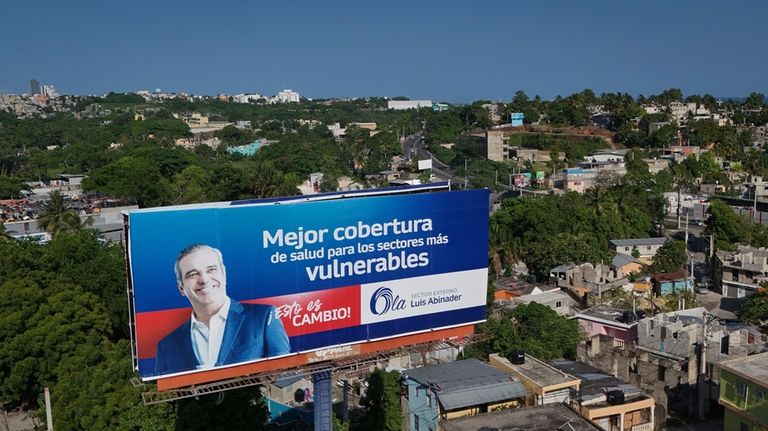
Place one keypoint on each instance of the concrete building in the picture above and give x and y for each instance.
(605, 321)
(671, 282)
(669, 350)
(586, 279)
(288, 96)
(493, 112)
(563, 303)
(738, 274)
(646, 247)
(401, 105)
(246, 150)
(612, 404)
(625, 264)
(657, 165)
(743, 388)
(441, 392)
(539, 418)
(757, 134)
(546, 384)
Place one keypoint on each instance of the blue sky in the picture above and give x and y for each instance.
(455, 51)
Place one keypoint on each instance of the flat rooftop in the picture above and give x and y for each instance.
(594, 382)
(541, 373)
(754, 368)
(539, 418)
(604, 312)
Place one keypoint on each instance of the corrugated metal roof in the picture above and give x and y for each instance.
(487, 394)
(638, 241)
(467, 383)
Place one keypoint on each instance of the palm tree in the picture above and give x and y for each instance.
(55, 217)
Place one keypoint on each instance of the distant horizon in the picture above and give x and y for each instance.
(434, 100)
(458, 52)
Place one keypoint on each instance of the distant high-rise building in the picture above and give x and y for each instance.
(288, 96)
(35, 87)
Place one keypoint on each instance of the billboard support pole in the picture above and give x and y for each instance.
(345, 403)
(323, 400)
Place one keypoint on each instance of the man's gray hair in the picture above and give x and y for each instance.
(191, 249)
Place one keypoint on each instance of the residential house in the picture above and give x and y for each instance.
(586, 280)
(739, 273)
(509, 288)
(657, 165)
(546, 384)
(611, 403)
(451, 390)
(671, 282)
(556, 299)
(743, 389)
(646, 247)
(669, 348)
(625, 264)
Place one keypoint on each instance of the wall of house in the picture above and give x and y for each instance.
(422, 406)
(594, 329)
(743, 395)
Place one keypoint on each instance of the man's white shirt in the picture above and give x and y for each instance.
(206, 341)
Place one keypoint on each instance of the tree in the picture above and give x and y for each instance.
(536, 329)
(670, 257)
(381, 402)
(12, 188)
(240, 409)
(94, 393)
(189, 186)
(728, 227)
(55, 217)
(42, 323)
(130, 177)
(755, 310)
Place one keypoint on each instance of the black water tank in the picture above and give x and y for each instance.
(517, 357)
(641, 314)
(299, 395)
(615, 397)
(628, 317)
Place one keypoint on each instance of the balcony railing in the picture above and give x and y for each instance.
(643, 427)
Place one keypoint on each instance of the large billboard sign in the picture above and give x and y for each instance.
(220, 285)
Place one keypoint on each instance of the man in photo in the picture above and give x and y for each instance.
(220, 331)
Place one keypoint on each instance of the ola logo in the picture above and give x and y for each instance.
(383, 301)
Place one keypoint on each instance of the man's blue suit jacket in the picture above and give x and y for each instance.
(252, 331)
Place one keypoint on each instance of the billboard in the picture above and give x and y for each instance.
(221, 285)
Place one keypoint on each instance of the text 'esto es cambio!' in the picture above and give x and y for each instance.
(353, 240)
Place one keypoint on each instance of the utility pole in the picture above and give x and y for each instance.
(754, 210)
(48, 416)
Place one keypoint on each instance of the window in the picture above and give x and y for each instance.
(558, 304)
(661, 373)
(626, 248)
(740, 389)
(648, 248)
(735, 275)
(759, 395)
(725, 344)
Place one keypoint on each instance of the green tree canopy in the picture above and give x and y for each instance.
(536, 329)
(381, 402)
(55, 217)
(671, 257)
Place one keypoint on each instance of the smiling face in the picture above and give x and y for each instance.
(202, 279)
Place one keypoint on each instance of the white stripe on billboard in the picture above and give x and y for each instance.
(417, 296)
